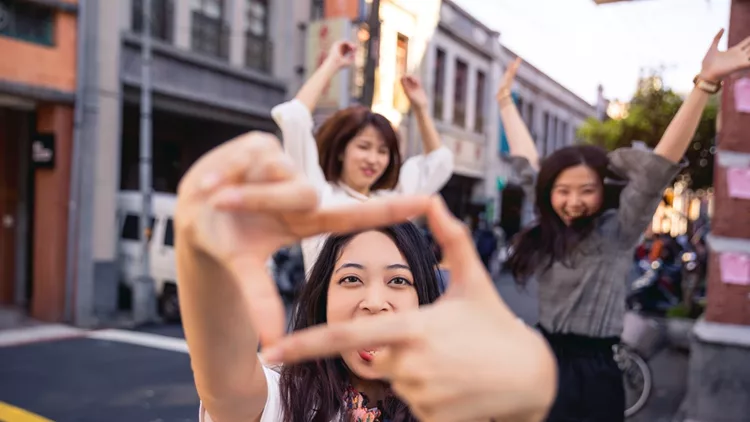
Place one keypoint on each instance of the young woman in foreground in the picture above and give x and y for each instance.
(355, 154)
(464, 357)
(592, 208)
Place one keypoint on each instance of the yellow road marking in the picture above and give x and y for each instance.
(10, 413)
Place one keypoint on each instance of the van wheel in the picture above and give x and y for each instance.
(169, 304)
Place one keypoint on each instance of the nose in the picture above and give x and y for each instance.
(575, 199)
(375, 300)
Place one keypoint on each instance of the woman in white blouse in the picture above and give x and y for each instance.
(354, 155)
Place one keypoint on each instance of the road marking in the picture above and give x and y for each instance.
(38, 333)
(10, 413)
(155, 341)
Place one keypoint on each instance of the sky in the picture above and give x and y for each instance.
(581, 45)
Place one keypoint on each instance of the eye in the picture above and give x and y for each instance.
(383, 151)
(400, 281)
(349, 280)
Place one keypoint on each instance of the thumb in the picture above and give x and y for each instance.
(467, 271)
(717, 39)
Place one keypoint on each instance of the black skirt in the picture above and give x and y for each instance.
(590, 387)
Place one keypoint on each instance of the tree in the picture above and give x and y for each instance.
(647, 117)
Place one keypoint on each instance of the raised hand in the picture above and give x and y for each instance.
(506, 83)
(243, 200)
(414, 91)
(719, 64)
(467, 357)
(341, 54)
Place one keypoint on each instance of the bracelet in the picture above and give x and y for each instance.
(706, 86)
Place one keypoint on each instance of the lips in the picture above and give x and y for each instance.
(367, 355)
(368, 172)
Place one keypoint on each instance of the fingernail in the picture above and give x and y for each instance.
(210, 181)
(271, 355)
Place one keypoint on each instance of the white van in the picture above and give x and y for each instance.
(163, 268)
(161, 245)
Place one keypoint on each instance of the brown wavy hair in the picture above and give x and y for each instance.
(338, 130)
(312, 391)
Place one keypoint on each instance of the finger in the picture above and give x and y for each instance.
(455, 241)
(368, 215)
(265, 306)
(745, 44)
(717, 39)
(294, 195)
(272, 167)
(228, 162)
(333, 339)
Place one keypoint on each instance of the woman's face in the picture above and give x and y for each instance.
(577, 192)
(364, 160)
(371, 277)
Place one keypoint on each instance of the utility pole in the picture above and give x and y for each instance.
(144, 303)
(373, 51)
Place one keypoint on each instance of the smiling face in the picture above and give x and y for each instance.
(364, 160)
(577, 192)
(370, 277)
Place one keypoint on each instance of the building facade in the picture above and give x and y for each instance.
(461, 75)
(217, 68)
(38, 73)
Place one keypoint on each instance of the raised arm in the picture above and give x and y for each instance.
(339, 56)
(519, 139)
(716, 66)
(418, 99)
(295, 117)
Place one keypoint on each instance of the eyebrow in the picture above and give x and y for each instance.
(362, 267)
(587, 185)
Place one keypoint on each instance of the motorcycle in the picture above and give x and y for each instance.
(656, 290)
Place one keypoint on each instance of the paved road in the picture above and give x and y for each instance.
(87, 380)
(90, 380)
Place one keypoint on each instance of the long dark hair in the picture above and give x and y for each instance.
(550, 239)
(338, 130)
(313, 391)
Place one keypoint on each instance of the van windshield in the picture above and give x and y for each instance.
(131, 227)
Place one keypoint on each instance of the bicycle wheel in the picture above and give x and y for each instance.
(637, 380)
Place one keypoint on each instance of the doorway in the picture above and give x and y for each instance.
(16, 196)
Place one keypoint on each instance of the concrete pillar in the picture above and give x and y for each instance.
(719, 378)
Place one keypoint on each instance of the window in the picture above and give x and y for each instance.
(169, 233)
(258, 49)
(479, 106)
(131, 227)
(162, 18)
(317, 10)
(530, 117)
(563, 134)
(438, 88)
(400, 100)
(459, 95)
(209, 33)
(27, 21)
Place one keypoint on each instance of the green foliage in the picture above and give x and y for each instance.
(649, 114)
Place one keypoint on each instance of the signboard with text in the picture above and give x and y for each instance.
(43, 151)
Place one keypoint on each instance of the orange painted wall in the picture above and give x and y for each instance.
(52, 190)
(38, 65)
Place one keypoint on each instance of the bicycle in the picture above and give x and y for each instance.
(642, 338)
(637, 378)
